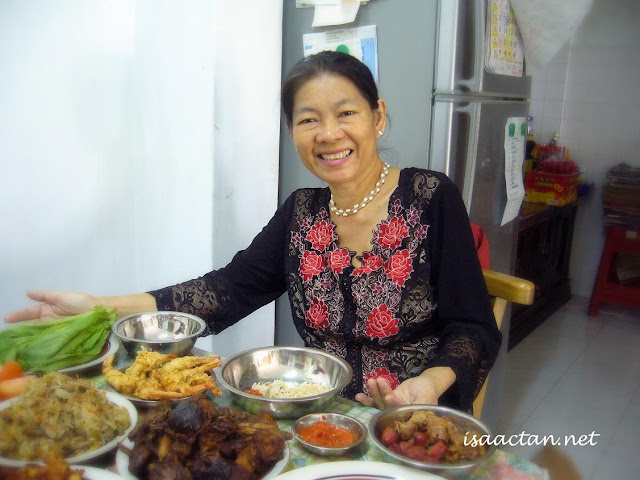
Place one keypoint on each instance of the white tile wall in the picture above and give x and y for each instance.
(547, 94)
(590, 93)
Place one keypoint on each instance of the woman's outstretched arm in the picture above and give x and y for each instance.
(64, 304)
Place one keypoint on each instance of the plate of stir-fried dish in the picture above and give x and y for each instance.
(154, 376)
(62, 417)
(58, 469)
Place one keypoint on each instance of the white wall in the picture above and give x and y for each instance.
(108, 182)
(247, 138)
(599, 115)
(548, 85)
(600, 120)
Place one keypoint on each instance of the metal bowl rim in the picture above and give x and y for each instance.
(354, 445)
(438, 409)
(329, 393)
(201, 327)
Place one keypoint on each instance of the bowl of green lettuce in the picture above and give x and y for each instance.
(57, 345)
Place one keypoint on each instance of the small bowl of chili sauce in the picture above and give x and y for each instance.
(330, 434)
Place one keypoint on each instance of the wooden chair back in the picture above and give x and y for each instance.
(503, 289)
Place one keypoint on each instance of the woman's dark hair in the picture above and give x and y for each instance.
(334, 63)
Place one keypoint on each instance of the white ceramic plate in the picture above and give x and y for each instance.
(354, 470)
(114, 398)
(122, 463)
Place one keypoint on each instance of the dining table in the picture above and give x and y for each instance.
(500, 466)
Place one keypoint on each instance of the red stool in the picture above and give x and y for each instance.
(606, 288)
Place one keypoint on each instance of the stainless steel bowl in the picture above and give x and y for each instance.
(164, 332)
(355, 426)
(403, 413)
(291, 365)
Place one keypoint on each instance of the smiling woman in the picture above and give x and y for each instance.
(334, 132)
(380, 265)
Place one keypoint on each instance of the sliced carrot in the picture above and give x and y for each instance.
(14, 387)
(10, 370)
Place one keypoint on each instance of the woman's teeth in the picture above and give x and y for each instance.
(336, 156)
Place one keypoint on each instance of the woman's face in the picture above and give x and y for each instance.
(334, 130)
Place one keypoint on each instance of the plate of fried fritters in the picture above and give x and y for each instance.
(154, 376)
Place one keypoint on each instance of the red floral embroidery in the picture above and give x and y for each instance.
(311, 264)
(321, 235)
(392, 232)
(317, 315)
(370, 263)
(384, 373)
(339, 260)
(398, 267)
(381, 323)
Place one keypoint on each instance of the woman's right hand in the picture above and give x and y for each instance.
(53, 305)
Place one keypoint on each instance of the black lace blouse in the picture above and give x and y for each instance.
(418, 300)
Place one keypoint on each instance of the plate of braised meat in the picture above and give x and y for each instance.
(194, 439)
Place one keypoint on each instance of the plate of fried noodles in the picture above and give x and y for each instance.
(63, 417)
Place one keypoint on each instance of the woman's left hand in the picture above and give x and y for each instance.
(425, 389)
(414, 390)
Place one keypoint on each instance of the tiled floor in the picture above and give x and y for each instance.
(575, 375)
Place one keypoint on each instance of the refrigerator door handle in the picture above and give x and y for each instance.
(473, 84)
(472, 110)
(441, 138)
(454, 140)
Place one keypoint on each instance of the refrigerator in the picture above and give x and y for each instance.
(446, 111)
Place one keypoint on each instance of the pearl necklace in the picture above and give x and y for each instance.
(359, 206)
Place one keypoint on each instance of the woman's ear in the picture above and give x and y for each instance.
(381, 115)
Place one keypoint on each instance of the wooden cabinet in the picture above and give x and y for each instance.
(545, 234)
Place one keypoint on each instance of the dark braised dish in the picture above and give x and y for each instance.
(195, 440)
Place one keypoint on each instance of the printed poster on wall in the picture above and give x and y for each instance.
(505, 49)
(514, 141)
(361, 42)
